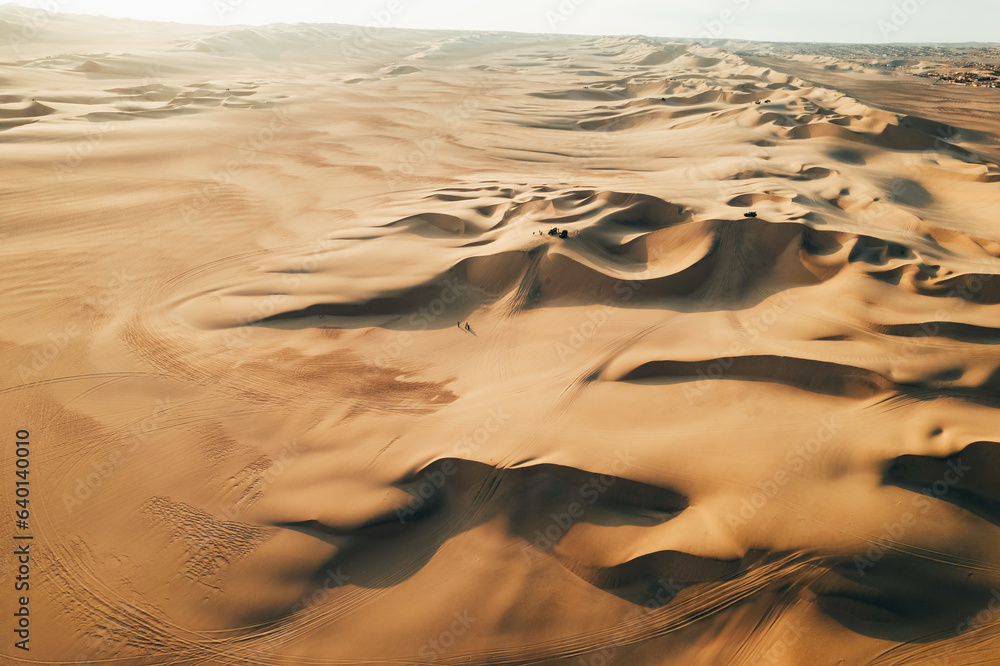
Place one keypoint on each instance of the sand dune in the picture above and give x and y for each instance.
(726, 394)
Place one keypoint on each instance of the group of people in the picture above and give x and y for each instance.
(554, 231)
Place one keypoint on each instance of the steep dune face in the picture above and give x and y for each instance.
(424, 347)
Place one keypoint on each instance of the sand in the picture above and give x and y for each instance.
(742, 413)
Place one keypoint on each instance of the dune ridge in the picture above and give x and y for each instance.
(439, 347)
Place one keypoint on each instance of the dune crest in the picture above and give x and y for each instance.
(434, 347)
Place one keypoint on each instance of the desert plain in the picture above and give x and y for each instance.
(329, 345)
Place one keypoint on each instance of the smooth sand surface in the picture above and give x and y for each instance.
(745, 412)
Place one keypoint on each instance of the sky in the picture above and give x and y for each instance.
(858, 21)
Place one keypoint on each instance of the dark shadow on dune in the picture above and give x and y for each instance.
(540, 505)
(957, 331)
(452, 296)
(938, 129)
(623, 250)
(848, 156)
(645, 253)
(435, 225)
(969, 479)
(876, 251)
(822, 377)
(824, 243)
(31, 110)
(806, 374)
(910, 193)
(654, 580)
(899, 598)
(814, 173)
(399, 311)
(716, 262)
(980, 288)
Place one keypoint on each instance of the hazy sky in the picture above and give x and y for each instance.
(768, 20)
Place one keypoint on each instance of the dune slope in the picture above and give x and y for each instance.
(434, 347)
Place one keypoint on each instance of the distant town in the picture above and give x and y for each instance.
(982, 75)
(979, 65)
